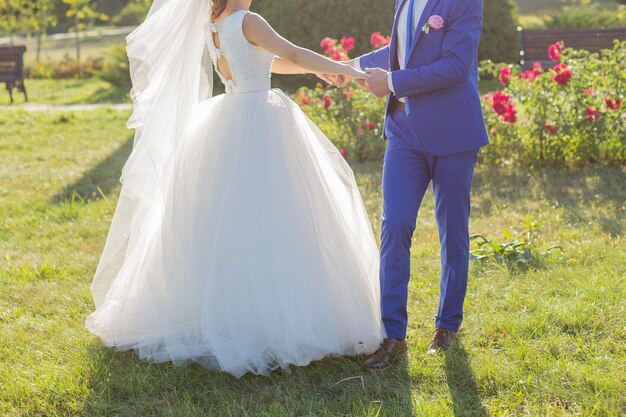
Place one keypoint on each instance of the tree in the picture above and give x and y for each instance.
(83, 13)
(11, 16)
(39, 16)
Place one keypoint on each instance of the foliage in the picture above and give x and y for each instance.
(40, 15)
(499, 41)
(68, 68)
(570, 114)
(515, 255)
(348, 115)
(83, 13)
(12, 16)
(588, 16)
(116, 69)
(311, 20)
(134, 13)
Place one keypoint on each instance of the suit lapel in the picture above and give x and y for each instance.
(425, 16)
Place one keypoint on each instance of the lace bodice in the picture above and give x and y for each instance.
(250, 65)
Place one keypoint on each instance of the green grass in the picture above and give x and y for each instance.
(545, 342)
(58, 50)
(62, 92)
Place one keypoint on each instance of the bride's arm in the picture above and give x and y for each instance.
(282, 66)
(260, 33)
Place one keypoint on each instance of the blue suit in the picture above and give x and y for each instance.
(436, 139)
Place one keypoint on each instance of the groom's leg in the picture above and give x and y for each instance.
(452, 181)
(405, 179)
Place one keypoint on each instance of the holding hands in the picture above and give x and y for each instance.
(375, 80)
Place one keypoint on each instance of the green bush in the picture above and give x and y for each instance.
(351, 117)
(68, 68)
(110, 7)
(307, 22)
(543, 118)
(572, 114)
(133, 14)
(312, 20)
(116, 69)
(499, 41)
(591, 16)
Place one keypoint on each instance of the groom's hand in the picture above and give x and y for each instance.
(334, 79)
(329, 78)
(377, 81)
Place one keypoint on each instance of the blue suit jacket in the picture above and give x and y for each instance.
(441, 78)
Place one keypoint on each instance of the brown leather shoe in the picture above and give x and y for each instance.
(442, 340)
(388, 350)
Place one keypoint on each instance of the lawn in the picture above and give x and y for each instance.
(67, 92)
(548, 340)
(58, 50)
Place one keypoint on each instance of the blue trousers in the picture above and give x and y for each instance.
(407, 172)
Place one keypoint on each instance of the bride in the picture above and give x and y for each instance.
(240, 240)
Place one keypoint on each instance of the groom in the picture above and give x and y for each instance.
(434, 126)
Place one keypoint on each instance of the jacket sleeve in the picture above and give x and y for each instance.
(460, 48)
(376, 59)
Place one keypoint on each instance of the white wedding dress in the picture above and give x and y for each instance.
(261, 254)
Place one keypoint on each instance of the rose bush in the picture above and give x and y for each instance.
(569, 113)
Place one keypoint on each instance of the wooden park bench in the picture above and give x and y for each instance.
(534, 43)
(12, 69)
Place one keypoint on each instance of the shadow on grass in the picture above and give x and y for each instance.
(112, 95)
(576, 189)
(105, 175)
(466, 399)
(121, 384)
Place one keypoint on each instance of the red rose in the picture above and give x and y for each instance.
(303, 99)
(505, 75)
(501, 104)
(613, 104)
(563, 74)
(344, 152)
(592, 114)
(510, 114)
(378, 41)
(347, 92)
(499, 101)
(328, 44)
(371, 125)
(529, 75)
(327, 102)
(554, 51)
(550, 128)
(348, 43)
(537, 67)
(338, 55)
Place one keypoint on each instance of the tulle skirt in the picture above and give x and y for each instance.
(259, 256)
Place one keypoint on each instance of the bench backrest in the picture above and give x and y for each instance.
(535, 42)
(12, 63)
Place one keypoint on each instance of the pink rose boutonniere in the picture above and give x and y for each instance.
(434, 22)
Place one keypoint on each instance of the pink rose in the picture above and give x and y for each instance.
(435, 22)
(348, 43)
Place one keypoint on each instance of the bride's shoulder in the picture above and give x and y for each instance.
(255, 22)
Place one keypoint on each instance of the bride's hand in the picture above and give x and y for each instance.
(356, 74)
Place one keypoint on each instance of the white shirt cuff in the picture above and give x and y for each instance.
(390, 83)
(357, 64)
